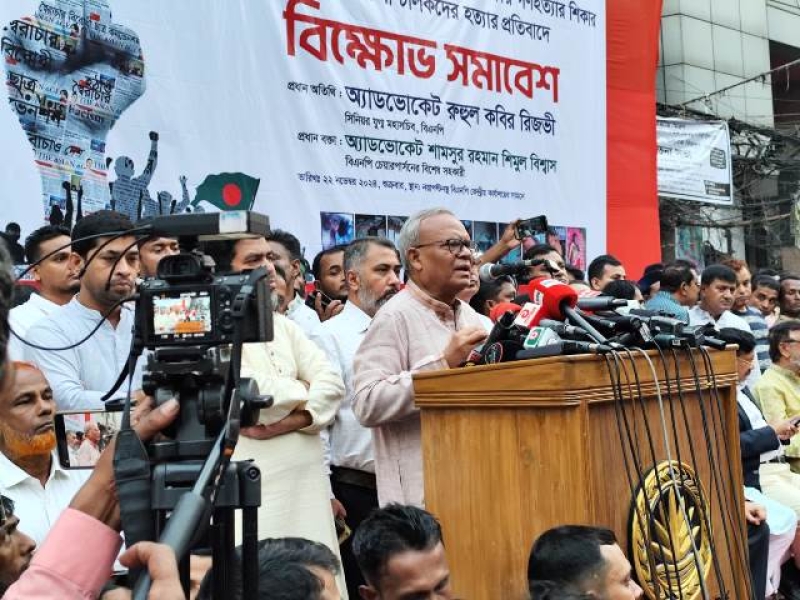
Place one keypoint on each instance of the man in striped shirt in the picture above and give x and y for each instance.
(741, 307)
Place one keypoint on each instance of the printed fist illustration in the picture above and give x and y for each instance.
(70, 73)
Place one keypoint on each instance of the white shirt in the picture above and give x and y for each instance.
(350, 442)
(80, 376)
(700, 316)
(22, 318)
(305, 317)
(757, 421)
(38, 507)
(487, 322)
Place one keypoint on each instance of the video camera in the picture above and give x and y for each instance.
(188, 304)
(195, 321)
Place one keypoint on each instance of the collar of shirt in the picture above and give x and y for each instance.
(40, 302)
(787, 373)
(356, 318)
(90, 313)
(298, 306)
(445, 312)
(11, 475)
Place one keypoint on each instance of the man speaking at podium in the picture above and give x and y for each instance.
(423, 328)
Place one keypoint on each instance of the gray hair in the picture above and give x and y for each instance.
(356, 251)
(409, 234)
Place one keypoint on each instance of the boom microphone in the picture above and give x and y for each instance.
(601, 303)
(488, 272)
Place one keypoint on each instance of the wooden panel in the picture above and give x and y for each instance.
(514, 449)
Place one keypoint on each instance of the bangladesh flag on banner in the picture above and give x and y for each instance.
(228, 191)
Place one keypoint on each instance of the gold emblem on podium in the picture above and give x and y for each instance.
(669, 533)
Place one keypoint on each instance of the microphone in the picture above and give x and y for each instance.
(499, 309)
(502, 351)
(540, 336)
(530, 315)
(563, 329)
(488, 272)
(558, 301)
(503, 332)
(563, 347)
(601, 303)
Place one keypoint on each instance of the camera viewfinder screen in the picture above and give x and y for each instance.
(184, 316)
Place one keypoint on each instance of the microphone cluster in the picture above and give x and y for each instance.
(551, 320)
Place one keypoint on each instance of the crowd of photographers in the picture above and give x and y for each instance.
(342, 436)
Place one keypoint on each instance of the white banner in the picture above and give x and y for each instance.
(353, 114)
(694, 160)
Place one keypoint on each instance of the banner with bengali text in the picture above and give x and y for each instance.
(353, 114)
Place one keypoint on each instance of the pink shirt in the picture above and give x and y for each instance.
(408, 334)
(60, 572)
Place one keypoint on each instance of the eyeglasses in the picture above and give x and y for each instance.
(454, 246)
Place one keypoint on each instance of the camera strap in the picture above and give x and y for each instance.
(132, 477)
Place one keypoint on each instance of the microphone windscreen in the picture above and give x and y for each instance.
(501, 308)
(552, 295)
(498, 352)
(530, 315)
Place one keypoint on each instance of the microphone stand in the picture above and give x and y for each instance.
(577, 318)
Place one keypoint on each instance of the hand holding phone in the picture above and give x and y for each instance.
(529, 228)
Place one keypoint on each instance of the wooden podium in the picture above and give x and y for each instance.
(513, 449)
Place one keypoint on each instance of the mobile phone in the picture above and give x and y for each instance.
(311, 299)
(81, 435)
(529, 228)
(795, 421)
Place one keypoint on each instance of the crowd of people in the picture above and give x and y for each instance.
(342, 483)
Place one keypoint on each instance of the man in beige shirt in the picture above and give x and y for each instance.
(424, 327)
(778, 390)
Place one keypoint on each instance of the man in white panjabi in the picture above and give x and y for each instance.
(285, 444)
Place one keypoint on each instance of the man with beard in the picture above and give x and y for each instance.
(30, 473)
(285, 444)
(58, 282)
(423, 328)
(82, 374)
(372, 274)
(328, 269)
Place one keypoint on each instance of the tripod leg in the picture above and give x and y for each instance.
(222, 548)
(250, 553)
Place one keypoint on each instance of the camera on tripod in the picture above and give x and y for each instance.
(189, 316)
(188, 305)
(194, 322)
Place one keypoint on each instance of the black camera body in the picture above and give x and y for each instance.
(191, 314)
